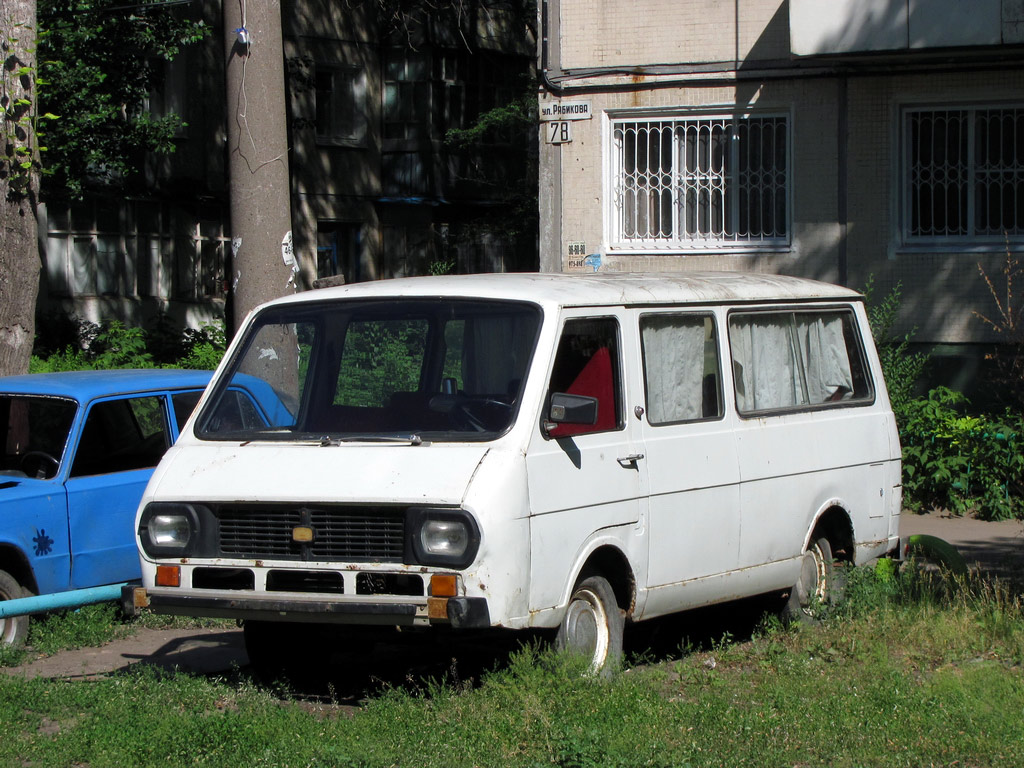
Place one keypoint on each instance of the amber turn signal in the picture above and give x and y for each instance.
(168, 576)
(444, 585)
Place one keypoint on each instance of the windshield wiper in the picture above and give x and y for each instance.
(327, 441)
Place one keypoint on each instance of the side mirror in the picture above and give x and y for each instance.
(570, 409)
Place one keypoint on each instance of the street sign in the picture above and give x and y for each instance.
(558, 132)
(565, 110)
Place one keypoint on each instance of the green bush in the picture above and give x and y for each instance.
(901, 368)
(204, 348)
(113, 345)
(962, 462)
(102, 347)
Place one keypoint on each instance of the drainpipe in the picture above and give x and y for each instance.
(75, 598)
(842, 180)
(550, 176)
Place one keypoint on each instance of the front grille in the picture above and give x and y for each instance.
(353, 534)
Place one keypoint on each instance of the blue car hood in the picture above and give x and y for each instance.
(14, 488)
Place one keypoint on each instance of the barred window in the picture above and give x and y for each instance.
(700, 182)
(963, 174)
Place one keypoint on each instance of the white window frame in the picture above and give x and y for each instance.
(83, 258)
(673, 235)
(917, 171)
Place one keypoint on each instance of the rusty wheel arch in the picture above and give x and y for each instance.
(835, 525)
(612, 564)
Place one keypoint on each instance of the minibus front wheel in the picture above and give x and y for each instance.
(593, 625)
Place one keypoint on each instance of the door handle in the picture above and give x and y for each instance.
(629, 461)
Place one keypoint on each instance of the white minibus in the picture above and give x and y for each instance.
(570, 452)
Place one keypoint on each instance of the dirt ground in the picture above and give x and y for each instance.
(996, 548)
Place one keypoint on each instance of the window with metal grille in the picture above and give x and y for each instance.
(963, 174)
(700, 182)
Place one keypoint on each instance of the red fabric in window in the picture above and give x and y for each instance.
(595, 380)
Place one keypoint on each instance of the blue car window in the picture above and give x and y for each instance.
(121, 435)
(184, 403)
(34, 431)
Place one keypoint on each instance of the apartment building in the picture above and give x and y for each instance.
(843, 140)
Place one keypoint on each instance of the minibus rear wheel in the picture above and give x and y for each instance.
(815, 586)
(593, 625)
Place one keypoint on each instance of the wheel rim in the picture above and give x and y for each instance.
(813, 587)
(8, 625)
(586, 628)
(820, 573)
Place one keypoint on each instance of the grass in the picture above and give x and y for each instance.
(908, 671)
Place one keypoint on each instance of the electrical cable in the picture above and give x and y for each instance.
(247, 42)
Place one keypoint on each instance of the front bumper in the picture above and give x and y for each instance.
(457, 612)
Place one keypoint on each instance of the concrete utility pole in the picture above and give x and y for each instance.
(262, 261)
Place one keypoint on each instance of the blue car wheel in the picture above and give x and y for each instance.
(13, 629)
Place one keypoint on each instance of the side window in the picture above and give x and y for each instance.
(682, 373)
(184, 403)
(797, 360)
(121, 435)
(587, 363)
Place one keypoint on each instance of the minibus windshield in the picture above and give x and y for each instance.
(331, 372)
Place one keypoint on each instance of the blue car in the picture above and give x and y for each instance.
(78, 449)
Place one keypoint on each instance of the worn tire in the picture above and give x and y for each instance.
(13, 629)
(593, 625)
(816, 585)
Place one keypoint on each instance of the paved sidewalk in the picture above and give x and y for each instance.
(993, 547)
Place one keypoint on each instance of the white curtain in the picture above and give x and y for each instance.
(825, 357)
(674, 367)
(785, 360)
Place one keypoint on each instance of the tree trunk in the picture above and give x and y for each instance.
(19, 184)
(261, 264)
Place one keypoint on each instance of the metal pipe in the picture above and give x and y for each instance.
(74, 598)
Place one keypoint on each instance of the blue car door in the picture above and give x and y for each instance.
(33, 505)
(121, 442)
(38, 527)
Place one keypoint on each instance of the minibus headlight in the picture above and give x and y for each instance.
(168, 530)
(447, 537)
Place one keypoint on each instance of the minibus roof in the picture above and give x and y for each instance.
(595, 289)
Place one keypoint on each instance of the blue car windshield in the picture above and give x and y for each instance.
(35, 431)
(438, 369)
